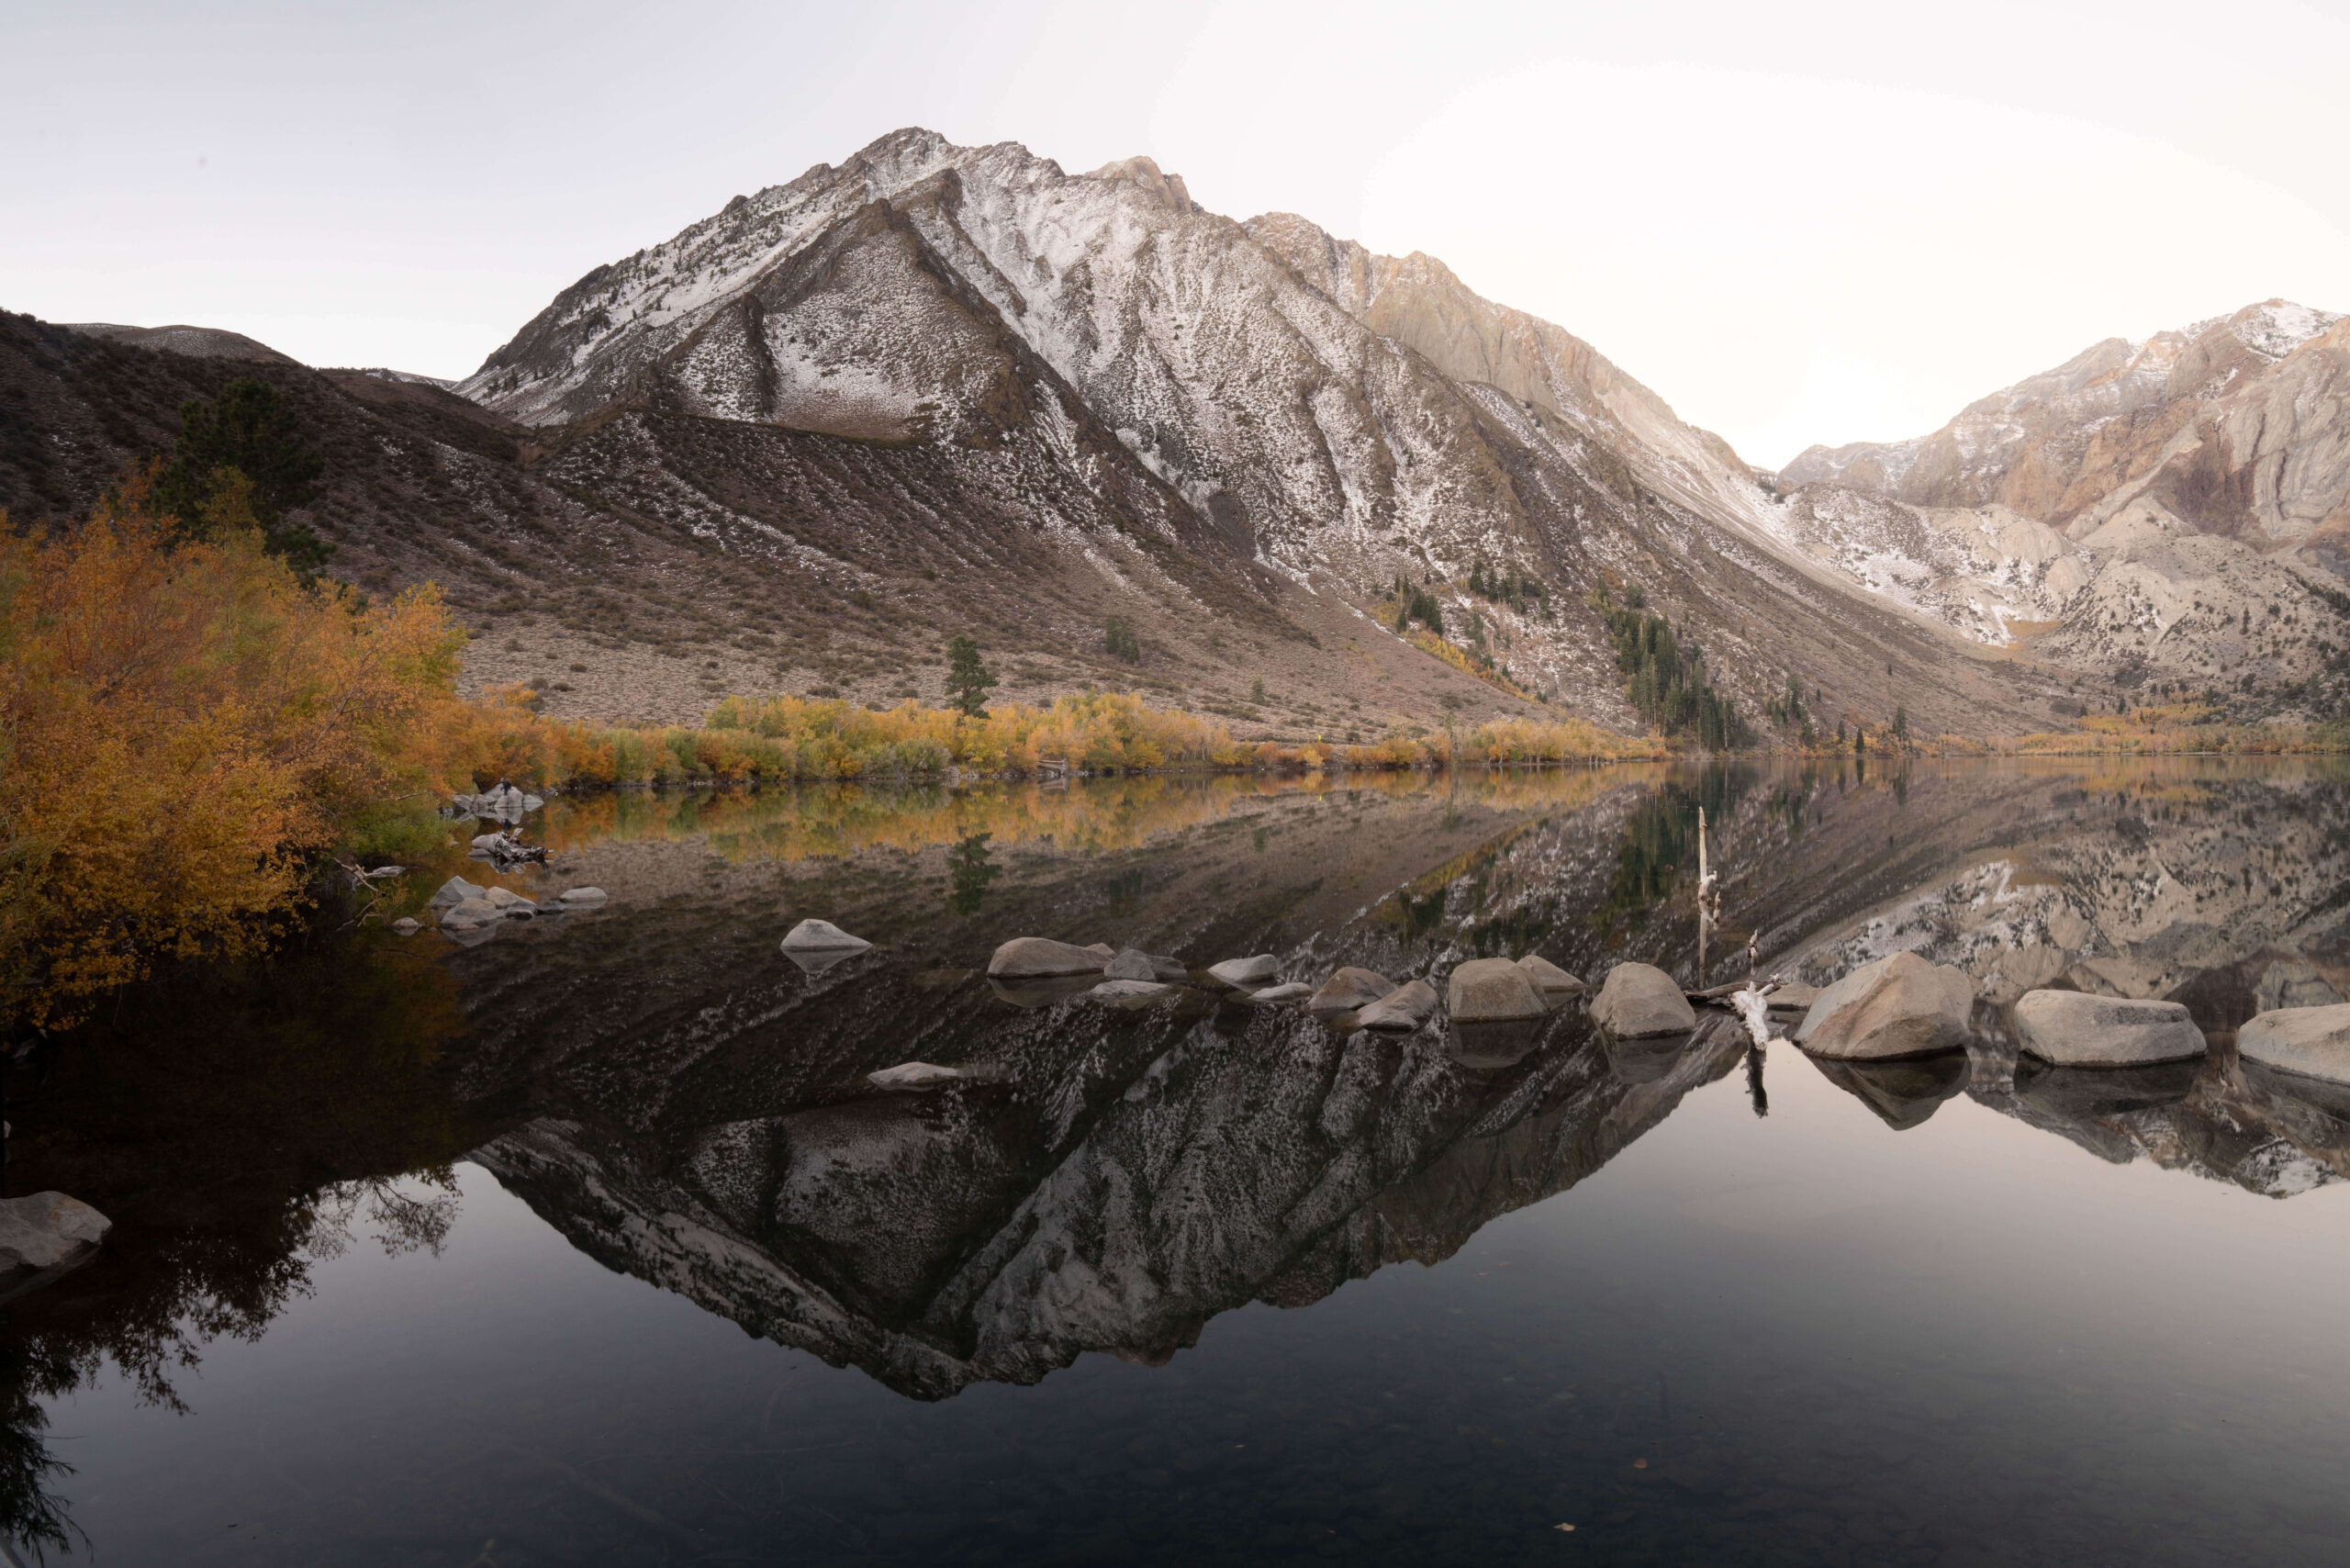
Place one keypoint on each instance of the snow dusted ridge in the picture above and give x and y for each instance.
(1330, 417)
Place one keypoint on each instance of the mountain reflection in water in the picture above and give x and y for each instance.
(682, 1104)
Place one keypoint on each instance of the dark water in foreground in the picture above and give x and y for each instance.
(588, 1245)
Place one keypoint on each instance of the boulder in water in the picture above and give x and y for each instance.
(1349, 990)
(1040, 957)
(579, 896)
(1547, 978)
(1273, 995)
(822, 936)
(1128, 990)
(1640, 1002)
(1134, 964)
(1490, 990)
(44, 1234)
(1246, 974)
(926, 1075)
(405, 926)
(2072, 1028)
(1401, 1010)
(1898, 1006)
(455, 891)
(2312, 1041)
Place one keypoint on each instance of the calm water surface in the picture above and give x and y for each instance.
(588, 1244)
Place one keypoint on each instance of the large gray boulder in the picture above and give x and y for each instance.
(471, 913)
(1349, 990)
(2072, 1028)
(1898, 1006)
(1548, 978)
(2312, 1041)
(1246, 974)
(44, 1234)
(1489, 990)
(1638, 1002)
(822, 936)
(1040, 957)
(1401, 1010)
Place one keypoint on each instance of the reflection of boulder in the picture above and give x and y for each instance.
(1484, 1047)
(1902, 1093)
(2292, 982)
(1644, 1058)
(2087, 1093)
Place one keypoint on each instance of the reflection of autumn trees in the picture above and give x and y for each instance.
(238, 1126)
(823, 821)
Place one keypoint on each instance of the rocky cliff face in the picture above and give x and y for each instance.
(2201, 480)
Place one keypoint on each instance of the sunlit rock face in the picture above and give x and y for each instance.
(2200, 482)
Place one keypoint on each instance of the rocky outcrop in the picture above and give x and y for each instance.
(1641, 1002)
(1898, 1006)
(2072, 1029)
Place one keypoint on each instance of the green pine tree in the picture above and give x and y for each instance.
(967, 679)
(252, 428)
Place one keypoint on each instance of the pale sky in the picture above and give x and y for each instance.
(1801, 222)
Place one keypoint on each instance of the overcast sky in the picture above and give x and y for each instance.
(1801, 222)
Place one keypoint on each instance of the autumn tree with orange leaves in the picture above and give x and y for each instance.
(183, 726)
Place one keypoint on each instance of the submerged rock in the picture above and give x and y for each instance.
(508, 899)
(927, 1075)
(1129, 990)
(1040, 957)
(576, 896)
(1491, 990)
(2073, 1029)
(1548, 978)
(44, 1234)
(1898, 1006)
(1273, 995)
(1349, 990)
(405, 926)
(1638, 1002)
(1791, 998)
(1401, 1010)
(1246, 974)
(472, 913)
(822, 936)
(2312, 1041)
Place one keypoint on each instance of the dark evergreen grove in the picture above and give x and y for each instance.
(1668, 682)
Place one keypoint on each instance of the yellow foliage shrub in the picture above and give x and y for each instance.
(179, 727)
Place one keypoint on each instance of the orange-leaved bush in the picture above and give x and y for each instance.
(180, 728)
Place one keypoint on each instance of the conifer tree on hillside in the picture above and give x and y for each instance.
(251, 431)
(967, 679)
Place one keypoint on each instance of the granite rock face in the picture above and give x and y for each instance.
(1898, 1006)
(2071, 1028)
(1640, 1002)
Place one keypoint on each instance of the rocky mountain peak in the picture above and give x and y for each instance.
(1143, 173)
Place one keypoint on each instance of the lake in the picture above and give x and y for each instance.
(590, 1243)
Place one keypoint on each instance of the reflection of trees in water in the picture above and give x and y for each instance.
(968, 872)
(237, 1129)
(1660, 841)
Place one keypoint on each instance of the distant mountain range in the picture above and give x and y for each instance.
(939, 389)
